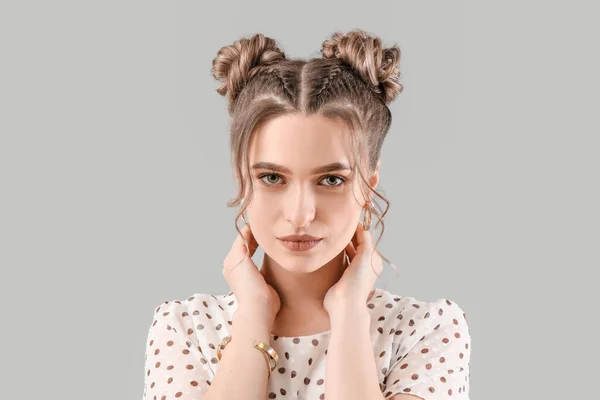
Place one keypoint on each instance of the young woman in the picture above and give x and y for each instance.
(306, 138)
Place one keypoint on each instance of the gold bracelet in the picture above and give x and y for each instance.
(268, 352)
(266, 357)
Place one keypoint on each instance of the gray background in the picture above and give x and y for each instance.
(114, 168)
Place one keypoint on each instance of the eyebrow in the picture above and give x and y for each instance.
(336, 166)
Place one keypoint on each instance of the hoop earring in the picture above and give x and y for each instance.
(367, 220)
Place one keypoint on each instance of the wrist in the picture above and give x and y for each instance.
(253, 316)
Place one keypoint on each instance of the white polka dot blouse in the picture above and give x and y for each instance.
(421, 348)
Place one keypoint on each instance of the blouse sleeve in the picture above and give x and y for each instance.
(175, 367)
(436, 367)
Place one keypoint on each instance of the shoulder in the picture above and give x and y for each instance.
(197, 304)
(446, 318)
(408, 318)
(408, 306)
(203, 317)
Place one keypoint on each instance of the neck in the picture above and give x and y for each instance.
(301, 291)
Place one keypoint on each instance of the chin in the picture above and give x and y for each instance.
(301, 261)
(296, 261)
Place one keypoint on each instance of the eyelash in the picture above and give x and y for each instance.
(330, 187)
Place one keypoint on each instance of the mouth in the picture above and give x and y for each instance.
(300, 238)
(299, 245)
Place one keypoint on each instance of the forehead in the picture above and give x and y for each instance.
(301, 142)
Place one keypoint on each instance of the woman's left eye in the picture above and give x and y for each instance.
(340, 179)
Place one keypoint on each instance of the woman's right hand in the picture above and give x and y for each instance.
(251, 291)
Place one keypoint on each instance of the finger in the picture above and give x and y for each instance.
(252, 243)
(350, 250)
(239, 241)
(363, 236)
(354, 240)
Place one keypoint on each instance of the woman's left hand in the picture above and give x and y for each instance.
(355, 287)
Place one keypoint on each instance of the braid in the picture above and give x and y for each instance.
(273, 70)
(334, 70)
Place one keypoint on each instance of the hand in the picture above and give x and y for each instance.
(251, 291)
(355, 287)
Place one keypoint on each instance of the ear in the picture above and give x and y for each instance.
(374, 178)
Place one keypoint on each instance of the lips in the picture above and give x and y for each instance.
(301, 245)
(299, 238)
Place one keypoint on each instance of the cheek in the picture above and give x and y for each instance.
(262, 219)
(341, 221)
(341, 208)
(260, 216)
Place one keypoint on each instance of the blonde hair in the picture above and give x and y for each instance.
(355, 80)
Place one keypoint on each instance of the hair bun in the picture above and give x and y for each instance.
(378, 67)
(234, 65)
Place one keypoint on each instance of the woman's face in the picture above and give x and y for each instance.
(298, 200)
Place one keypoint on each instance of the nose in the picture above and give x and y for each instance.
(300, 206)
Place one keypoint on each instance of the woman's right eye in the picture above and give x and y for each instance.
(271, 175)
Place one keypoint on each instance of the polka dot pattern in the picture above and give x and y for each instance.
(175, 368)
(434, 362)
(420, 348)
